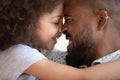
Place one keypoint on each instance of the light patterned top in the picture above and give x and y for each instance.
(59, 56)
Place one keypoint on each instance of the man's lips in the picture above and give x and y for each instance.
(69, 37)
(70, 43)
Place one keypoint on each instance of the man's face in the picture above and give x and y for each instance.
(78, 29)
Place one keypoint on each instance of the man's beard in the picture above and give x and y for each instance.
(83, 51)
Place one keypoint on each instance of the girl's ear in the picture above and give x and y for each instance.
(102, 19)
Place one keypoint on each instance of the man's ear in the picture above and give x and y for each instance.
(102, 19)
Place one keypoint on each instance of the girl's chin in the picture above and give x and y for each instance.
(50, 47)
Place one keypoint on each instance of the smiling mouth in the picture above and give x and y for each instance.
(70, 43)
(55, 40)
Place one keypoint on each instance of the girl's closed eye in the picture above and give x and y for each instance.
(56, 23)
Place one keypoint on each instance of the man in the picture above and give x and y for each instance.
(92, 28)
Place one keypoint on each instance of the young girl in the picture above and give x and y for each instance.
(27, 26)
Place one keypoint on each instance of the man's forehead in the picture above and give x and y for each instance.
(69, 12)
(71, 3)
(70, 7)
(78, 2)
(74, 10)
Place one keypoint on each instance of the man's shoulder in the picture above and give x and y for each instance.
(110, 57)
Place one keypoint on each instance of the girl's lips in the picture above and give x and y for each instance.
(55, 39)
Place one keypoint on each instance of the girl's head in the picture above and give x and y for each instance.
(36, 23)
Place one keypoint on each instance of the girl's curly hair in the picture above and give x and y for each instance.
(18, 20)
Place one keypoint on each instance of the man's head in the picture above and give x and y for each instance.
(88, 26)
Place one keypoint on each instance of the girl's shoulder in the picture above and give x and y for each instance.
(16, 60)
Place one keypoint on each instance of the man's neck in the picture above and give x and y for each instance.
(110, 43)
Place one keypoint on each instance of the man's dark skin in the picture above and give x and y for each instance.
(92, 28)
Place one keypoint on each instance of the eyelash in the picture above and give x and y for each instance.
(56, 23)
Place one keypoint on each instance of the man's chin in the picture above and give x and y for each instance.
(80, 56)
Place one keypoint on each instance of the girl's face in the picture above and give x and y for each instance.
(49, 28)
